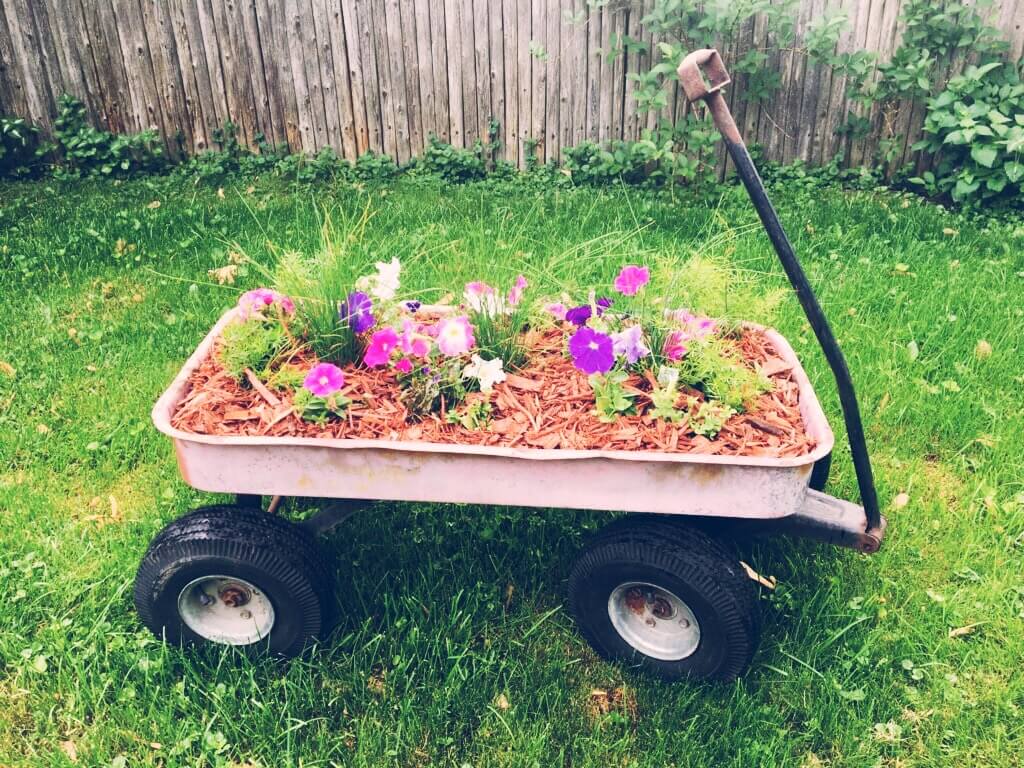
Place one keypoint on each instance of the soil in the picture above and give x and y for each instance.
(547, 404)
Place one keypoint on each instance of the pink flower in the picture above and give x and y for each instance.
(675, 347)
(631, 279)
(404, 365)
(515, 294)
(382, 343)
(414, 341)
(455, 336)
(324, 379)
(557, 309)
(252, 303)
(694, 326)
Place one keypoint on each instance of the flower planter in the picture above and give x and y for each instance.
(632, 481)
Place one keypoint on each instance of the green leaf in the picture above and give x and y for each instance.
(1013, 170)
(983, 155)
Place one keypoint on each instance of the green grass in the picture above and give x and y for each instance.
(446, 609)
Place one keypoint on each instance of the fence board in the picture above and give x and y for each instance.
(383, 75)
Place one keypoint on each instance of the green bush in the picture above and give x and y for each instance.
(454, 164)
(86, 151)
(21, 150)
(975, 128)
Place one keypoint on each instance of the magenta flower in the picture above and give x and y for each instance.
(324, 379)
(382, 343)
(357, 311)
(515, 294)
(591, 351)
(631, 279)
(404, 365)
(252, 303)
(455, 336)
(675, 345)
(630, 344)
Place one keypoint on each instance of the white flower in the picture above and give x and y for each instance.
(386, 282)
(487, 372)
(484, 300)
(668, 377)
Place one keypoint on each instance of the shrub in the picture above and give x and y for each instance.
(454, 164)
(975, 127)
(21, 150)
(86, 151)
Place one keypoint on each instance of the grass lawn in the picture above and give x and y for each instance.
(454, 647)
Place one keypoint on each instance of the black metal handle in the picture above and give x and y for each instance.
(692, 78)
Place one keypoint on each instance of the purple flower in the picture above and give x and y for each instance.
(630, 344)
(631, 279)
(411, 305)
(579, 315)
(357, 311)
(378, 352)
(252, 303)
(324, 380)
(591, 351)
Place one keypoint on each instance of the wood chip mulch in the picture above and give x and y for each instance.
(548, 404)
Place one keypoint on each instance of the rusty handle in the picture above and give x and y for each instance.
(703, 76)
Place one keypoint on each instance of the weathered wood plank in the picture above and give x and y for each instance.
(439, 58)
(342, 83)
(412, 96)
(453, 38)
(167, 72)
(30, 71)
(325, 75)
(430, 121)
(524, 32)
(375, 120)
(538, 79)
(357, 93)
(510, 63)
(482, 65)
(496, 60)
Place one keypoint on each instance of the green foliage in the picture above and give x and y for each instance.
(453, 164)
(475, 415)
(669, 154)
(611, 400)
(975, 127)
(665, 395)
(429, 390)
(707, 417)
(86, 151)
(317, 409)
(251, 344)
(21, 150)
(713, 368)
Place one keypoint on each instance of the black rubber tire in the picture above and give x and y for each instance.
(699, 570)
(270, 552)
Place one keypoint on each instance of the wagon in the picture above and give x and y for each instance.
(659, 587)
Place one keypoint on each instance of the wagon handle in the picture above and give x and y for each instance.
(707, 63)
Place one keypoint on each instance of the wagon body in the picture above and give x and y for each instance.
(629, 481)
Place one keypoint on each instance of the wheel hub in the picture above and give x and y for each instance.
(653, 621)
(226, 610)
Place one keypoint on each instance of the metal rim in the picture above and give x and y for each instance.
(653, 621)
(225, 609)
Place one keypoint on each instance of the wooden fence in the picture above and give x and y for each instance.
(383, 75)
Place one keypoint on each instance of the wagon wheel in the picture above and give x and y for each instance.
(654, 592)
(235, 575)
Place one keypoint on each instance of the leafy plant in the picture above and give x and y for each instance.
(707, 417)
(91, 152)
(251, 344)
(975, 127)
(611, 400)
(21, 149)
(454, 164)
(317, 409)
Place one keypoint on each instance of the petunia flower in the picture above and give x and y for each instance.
(515, 294)
(483, 298)
(413, 340)
(382, 343)
(386, 282)
(455, 336)
(631, 279)
(557, 309)
(592, 352)
(404, 365)
(487, 372)
(694, 326)
(581, 314)
(630, 344)
(252, 303)
(411, 305)
(675, 345)
(357, 311)
(324, 379)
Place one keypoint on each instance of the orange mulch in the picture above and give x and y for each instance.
(548, 404)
